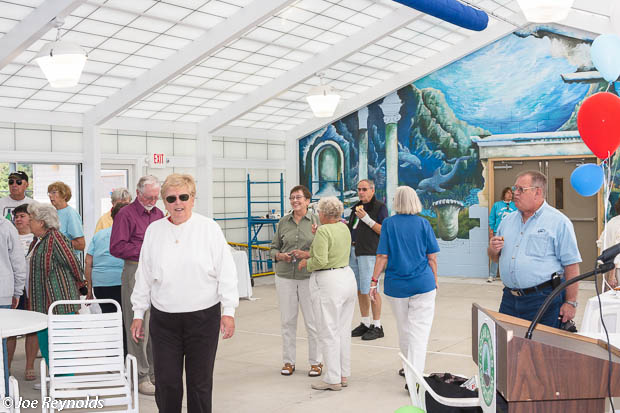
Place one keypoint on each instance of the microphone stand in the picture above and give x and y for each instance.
(601, 269)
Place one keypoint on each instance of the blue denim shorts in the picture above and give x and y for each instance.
(362, 267)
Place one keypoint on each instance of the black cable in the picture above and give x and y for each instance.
(609, 373)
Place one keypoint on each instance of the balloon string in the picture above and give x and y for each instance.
(608, 86)
(611, 173)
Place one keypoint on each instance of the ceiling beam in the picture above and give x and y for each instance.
(588, 21)
(253, 133)
(33, 27)
(439, 60)
(334, 54)
(242, 21)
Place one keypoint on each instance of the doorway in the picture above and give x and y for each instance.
(582, 211)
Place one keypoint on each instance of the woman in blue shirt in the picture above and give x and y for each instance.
(408, 247)
(70, 220)
(499, 210)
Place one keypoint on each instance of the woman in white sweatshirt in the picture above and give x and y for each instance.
(186, 273)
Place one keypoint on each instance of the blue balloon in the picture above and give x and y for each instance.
(587, 179)
(605, 53)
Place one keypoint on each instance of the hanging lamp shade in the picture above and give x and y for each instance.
(545, 11)
(323, 101)
(62, 63)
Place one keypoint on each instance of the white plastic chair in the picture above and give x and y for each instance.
(418, 387)
(86, 362)
(14, 395)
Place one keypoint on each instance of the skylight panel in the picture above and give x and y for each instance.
(322, 22)
(345, 29)
(216, 84)
(351, 78)
(141, 61)
(277, 103)
(257, 80)
(425, 52)
(174, 108)
(84, 10)
(411, 60)
(190, 101)
(296, 14)
(15, 11)
(204, 20)
(270, 72)
(363, 70)
(420, 25)
(83, 39)
(86, 99)
(136, 113)
(397, 67)
(151, 24)
(437, 32)
(99, 90)
(232, 54)
(187, 80)
(315, 6)
(330, 37)
(244, 67)
(203, 111)
(389, 42)
(15, 92)
(329, 74)
(295, 120)
(264, 125)
(362, 20)
(375, 50)
(38, 104)
(394, 55)
(217, 63)
(357, 88)
(298, 56)
(162, 97)
(185, 32)
(290, 95)
(31, 71)
(247, 45)
(339, 12)
(378, 10)
(219, 8)
(126, 71)
(51, 96)
(190, 118)
(298, 106)
(73, 108)
(151, 106)
(112, 16)
(275, 119)
(357, 5)
(170, 42)
(202, 93)
(98, 28)
(107, 56)
(228, 96)
(10, 102)
(279, 24)
(168, 11)
(165, 116)
(439, 45)
(155, 51)
(206, 72)
(289, 40)
(422, 40)
(231, 76)
(409, 48)
(313, 46)
(138, 6)
(504, 12)
(27, 82)
(217, 104)
(286, 111)
(260, 59)
(263, 35)
(284, 64)
(175, 90)
(369, 81)
(307, 32)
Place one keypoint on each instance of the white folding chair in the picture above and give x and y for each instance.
(14, 395)
(86, 368)
(418, 387)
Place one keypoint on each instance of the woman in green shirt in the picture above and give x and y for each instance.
(333, 290)
(291, 243)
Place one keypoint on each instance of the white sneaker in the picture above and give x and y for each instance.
(490, 279)
(146, 387)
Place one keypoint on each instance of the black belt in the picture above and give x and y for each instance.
(519, 292)
(329, 269)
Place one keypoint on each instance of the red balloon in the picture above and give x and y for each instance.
(598, 121)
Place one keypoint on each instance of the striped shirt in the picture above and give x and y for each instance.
(55, 274)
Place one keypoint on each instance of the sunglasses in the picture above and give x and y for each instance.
(172, 198)
(363, 189)
(15, 181)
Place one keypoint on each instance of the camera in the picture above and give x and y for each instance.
(568, 326)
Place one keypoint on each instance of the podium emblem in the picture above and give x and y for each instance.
(486, 365)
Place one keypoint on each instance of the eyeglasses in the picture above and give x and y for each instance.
(297, 198)
(363, 189)
(52, 193)
(173, 198)
(520, 190)
(15, 181)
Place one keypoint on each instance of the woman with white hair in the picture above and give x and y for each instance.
(333, 290)
(408, 247)
(55, 272)
(117, 195)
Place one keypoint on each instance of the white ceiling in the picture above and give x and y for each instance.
(237, 63)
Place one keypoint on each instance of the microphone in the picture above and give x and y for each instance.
(608, 255)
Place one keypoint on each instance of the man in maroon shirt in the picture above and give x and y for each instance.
(126, 242)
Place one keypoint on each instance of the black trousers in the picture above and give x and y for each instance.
(189, 338)
(114, 293)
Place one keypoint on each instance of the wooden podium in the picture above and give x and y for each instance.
(555, 372)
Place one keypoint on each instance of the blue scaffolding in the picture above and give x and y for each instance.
(255, 225)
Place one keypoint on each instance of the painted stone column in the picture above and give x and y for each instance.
(362, 117)
(391, 108)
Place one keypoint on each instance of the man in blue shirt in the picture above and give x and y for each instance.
(531, 245)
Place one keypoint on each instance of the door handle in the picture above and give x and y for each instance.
(593, 219)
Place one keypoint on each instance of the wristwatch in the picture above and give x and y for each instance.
(573, 303)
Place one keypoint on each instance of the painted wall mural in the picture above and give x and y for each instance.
(421, 134)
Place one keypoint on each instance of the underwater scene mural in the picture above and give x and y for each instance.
(420, 135)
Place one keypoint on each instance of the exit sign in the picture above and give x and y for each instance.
(157, 160)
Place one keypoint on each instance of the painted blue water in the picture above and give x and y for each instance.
(510, 86)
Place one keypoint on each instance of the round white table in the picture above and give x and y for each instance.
(14, 323)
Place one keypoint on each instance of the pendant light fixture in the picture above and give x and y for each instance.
(61, 61)
(545, 11)
(323, 99)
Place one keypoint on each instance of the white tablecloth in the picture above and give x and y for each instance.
(610, 301)
(244, 283)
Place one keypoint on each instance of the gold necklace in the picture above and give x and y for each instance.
(176, 234)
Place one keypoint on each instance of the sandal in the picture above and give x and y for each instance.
(288, 369)
(30, 375)
(315, 370)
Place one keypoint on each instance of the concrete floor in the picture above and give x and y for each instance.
(247, 371)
